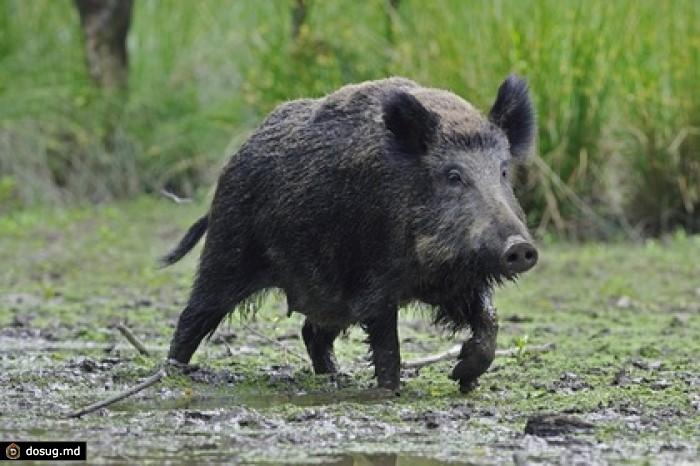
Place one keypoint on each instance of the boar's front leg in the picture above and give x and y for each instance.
(384, 344)
(319, 344)
(478, 352)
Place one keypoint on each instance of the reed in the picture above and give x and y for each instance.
(615, 85)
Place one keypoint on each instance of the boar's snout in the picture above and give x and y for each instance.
(519, 255)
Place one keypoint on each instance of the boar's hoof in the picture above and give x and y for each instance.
(467, 385)
(388, 379)
(474, 359)
(389, 384)
(173, 366)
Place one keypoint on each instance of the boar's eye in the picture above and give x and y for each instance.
(454, 177)
(504, 170)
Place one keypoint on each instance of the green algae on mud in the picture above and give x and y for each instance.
(624, 319)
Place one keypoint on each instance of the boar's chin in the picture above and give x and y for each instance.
(463, 289)
(457, 310)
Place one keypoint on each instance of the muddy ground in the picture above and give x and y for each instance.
(620, 385)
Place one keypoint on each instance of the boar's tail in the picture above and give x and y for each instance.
(192, 237)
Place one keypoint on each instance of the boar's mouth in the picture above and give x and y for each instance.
(457, 266)
(462, 276)
(478, 269)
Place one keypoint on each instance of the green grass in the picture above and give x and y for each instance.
(614, 85)
(624, 319)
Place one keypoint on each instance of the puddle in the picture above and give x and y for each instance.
(345, 459)
(378, 459)
(207, 402)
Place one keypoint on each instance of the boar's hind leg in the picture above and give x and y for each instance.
(319, 344)
(384, 344)
(208, 305)
(478, 352)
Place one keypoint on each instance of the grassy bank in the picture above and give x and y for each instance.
(623, 319)
(615, 84)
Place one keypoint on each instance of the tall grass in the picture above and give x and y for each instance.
(615, 85)
(659, 121)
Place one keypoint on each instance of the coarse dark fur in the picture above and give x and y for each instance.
(379, 194)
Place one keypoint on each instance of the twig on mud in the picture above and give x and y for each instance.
(433, 358)
(129, 335)
(174, 197)
(223, 341)
(455, 350)
(148, 382)
(276, 343)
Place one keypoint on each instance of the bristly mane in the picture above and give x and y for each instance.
(458, 291)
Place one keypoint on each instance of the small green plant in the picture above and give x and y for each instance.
(520, 343)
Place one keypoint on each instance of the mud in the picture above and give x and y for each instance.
(621, 386)
(274, 416)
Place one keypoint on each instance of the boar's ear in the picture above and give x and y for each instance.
(512, 112)
(412, 125)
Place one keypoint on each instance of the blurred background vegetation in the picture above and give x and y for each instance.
(615, 85)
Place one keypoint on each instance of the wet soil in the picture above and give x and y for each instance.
(621, 385)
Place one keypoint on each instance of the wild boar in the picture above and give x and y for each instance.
(357, 203)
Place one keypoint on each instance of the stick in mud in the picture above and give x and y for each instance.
(455, 350)
(148, 382)
(129, 335)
